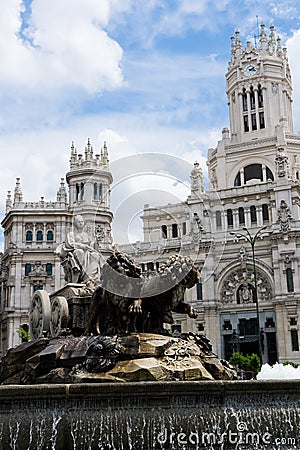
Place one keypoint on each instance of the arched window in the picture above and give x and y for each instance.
(49, 269)
(81, 191)
(29, 236)
(253, 172)
(237, 181)
(260, 97)
(77, 191)
(27, 269)
(269, 174)
(244, 97)
(252, 98)
(241, 216)
(50, 235)
(39, 235)
(253, 214)
(229, 218)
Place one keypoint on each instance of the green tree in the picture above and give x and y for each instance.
(246, 362)
(290, 363)
(24, 335)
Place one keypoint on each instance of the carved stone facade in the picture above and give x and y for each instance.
(33, 230)
(254, 175)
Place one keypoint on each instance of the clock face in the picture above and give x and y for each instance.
(250, 70)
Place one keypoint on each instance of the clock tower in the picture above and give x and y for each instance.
(259, 92)
(259, 88)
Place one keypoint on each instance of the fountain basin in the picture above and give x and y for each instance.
(151, 415)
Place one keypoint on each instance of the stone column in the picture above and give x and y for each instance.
(247, 217)
(224, 221)
(235, 214)
(259, 216)
(213, 222)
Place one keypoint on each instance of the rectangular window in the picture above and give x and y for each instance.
(252, 100)
(218, 219)
(261, 120)
(174, 230)
(253, 122)
(49, 269)
(27, 269)
(150, 266)
(289, 280)
(164, 232)
(199, 290)
(241, 216)
(265, 213)
(246, 123)
(245, 106)
(229, 218)
(184, 228)
(253, 214)
(295, 340)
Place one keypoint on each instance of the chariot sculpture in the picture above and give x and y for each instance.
(110, 298)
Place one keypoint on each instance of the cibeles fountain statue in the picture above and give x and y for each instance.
(108, 323)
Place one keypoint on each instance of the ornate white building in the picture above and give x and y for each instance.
(33, 230)
(254, 182)
(254, 174)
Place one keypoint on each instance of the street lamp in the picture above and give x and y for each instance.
(252, 240)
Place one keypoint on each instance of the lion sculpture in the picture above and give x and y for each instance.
(129, 301)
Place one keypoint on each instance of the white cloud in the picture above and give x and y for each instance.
(65, 44)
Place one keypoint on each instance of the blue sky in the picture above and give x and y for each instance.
(147, 76)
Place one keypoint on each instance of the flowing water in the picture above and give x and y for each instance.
(114, 418)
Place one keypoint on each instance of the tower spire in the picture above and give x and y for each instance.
(238, 42)
(263, 37)
(105, 153)
(88, 151)
(73, 157)
(8, 202)
(62, 193)
(18, 194)
(272, 41)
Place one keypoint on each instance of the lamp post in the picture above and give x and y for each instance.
(252, 240)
